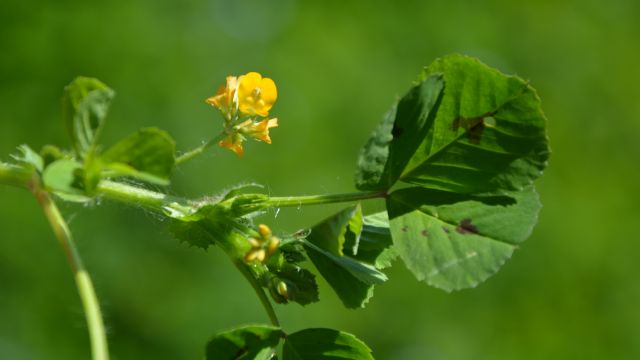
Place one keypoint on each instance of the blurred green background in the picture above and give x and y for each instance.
(570, 292)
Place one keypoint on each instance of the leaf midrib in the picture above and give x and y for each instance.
(455, 140)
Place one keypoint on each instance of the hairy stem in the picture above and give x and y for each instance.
(97, 333)
(284, 201)
(160, 202)
(244, 269)
(199, 150)
(134, 195)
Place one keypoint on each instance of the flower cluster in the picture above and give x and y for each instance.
(262, 247)
(245, 102)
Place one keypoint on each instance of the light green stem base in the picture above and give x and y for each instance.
(99, 347)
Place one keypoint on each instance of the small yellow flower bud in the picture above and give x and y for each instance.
(273, 245)
(251, 255)
(264, 231)
(254, 242)
(260, 255)
(282, 290)
(226, 99)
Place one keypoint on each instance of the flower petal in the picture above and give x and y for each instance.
(260, 130)
(256, 95)
(269, 92)
(233, 142)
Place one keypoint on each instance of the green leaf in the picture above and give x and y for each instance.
(211, 230)
(192, 233)
(365, 273)
(291, 248)
(324, 344)
(351, 278)
(330, 234)
(255, 342)
(29, 157)
(50, 153)
(65, 176)
(396, 139)
(147, 155)
(211, 224)
(375, 245)
(285, 280)
(299, 285)
(483, 133)
(84, 106)
(373, 156)
(414, 118)
(488, 133)
(456, 241)
(350, 237)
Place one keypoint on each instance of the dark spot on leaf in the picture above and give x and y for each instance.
(424, 233)
(466, 227)
(396, 131)
(457, 123)
(474, 126)
(446, 229)
(475, 132)
(404, 229)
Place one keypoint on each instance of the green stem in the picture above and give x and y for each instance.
(163, 203)
(199, 150)
(284, 201)
(97, 333)
(244, 269)
(133, 195)
(156, 201)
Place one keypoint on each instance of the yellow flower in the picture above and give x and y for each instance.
(241, 97)
(260, 130)
(256, 95)
(225, 99)
(233, 142)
